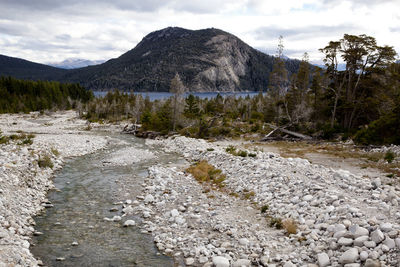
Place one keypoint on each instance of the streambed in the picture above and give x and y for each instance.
(88, 188)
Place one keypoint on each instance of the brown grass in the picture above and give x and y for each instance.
(301, 149)
(204, 172)
(290, 226)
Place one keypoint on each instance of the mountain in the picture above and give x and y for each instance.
(206, 60)
(27, 70)
(74, 63)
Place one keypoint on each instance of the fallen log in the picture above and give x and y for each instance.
(283, 130)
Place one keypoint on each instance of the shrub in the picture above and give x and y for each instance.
(230, 149)
(389, 156)
(385, 130)
(242, 153)
(248, 195)
(55, 152)
(210, 149)
(45, 162)
(264, 208)
(205, 172)
(290, 226)
(276, 222)
(253, 155)
(4, 139)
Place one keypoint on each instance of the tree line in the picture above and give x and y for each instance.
(25, 96)
(362, 101)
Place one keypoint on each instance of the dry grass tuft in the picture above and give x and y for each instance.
(204, 172)
(290, 226)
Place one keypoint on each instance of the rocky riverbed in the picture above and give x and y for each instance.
(343, 219)
(24, 184)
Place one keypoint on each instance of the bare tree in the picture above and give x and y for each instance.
(178, 89)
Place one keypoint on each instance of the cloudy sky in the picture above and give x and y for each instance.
(53, 30)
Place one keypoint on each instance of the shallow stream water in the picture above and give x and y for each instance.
(88, 189)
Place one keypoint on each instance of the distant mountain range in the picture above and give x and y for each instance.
(74, 63)
(207, 60)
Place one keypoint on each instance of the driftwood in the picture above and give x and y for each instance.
(131, 129)
(283, 130)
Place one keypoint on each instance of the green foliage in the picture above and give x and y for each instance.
(264, 208)
(389, 156)
(242, 153)
(192, 110)
(230, 149)
(385, 130)
(25, 96)
(45, 162)
(276, 222)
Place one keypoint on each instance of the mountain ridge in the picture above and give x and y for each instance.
(207, 60)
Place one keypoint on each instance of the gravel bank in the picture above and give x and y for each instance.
(343, 219)
(23, 184)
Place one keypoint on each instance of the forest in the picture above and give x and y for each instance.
(361, 102)
(25, 96)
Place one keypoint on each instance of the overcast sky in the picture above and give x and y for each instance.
(53, 30)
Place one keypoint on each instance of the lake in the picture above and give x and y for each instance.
(162, 95)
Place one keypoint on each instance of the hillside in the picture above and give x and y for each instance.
(27, 70)
(207, 60)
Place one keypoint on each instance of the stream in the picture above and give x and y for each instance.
(88, 187)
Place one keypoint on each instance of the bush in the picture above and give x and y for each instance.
(45, 162)
(264, 208)
(385, 130)
(230, 149)
(242, 153)
(389, 156)
(276, 222)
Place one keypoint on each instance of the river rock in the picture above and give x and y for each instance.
(358, 231)
(128, 223)
(397, 241)
(242, 263)
(220, 261)
(149, 198)
(174, 213)
(345, 241)
(264, 260)
(359, 241)
(377, 236)
(370, 244)
(363, 255)
(323, 259)
(116, 218)
(189, 261)
(389, 243)
(350, 256)
(386, 227)
(372, 263)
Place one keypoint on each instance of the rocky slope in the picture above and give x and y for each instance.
(207, 60)
(343, 219)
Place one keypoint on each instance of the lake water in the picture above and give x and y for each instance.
(162, 95)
